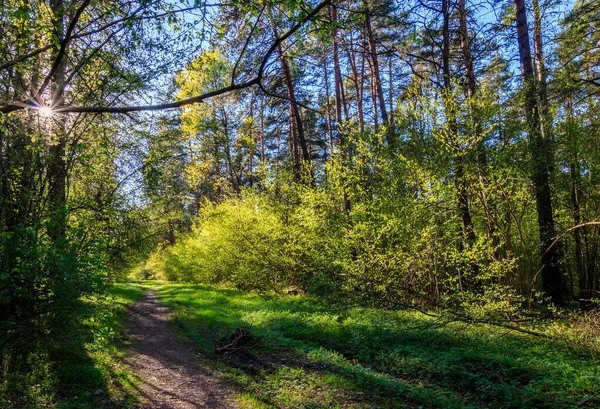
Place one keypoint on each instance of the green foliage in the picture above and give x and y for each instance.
(41, 283)
(247, 244)
(396, 245)
(81, 368)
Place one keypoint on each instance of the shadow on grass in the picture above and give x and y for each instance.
(389, 358)
(87, 359)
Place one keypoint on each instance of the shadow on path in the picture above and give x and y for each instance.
(169, 369)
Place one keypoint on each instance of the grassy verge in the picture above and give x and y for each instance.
(83, 368)
(309, 355)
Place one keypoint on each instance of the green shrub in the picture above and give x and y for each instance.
(295, 238)
(41, 282)
(244, 243)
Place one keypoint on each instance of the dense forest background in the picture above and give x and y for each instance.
(439, 155)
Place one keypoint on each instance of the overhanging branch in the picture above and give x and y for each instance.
(188, 101)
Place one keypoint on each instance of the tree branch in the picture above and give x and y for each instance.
(188, 101)
(63, 47)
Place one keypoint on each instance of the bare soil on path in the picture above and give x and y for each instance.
(170, 372)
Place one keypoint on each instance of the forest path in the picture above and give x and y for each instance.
(170, 372)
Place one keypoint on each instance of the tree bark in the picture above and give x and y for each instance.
(358, 81)
(340, 105)
(471, 82)
(541, 72)
(450, 110)
(340, 96)
(328, 108)
(57, 172)
(550, 272)
(297, 127)
(375, 61)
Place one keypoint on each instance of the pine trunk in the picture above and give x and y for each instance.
(550, 272)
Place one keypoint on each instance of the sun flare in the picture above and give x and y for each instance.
(45, 111)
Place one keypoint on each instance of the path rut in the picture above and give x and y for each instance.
(170, 373)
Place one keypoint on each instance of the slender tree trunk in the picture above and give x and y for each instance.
(550, 272)
(362, 85)
(293, 145)
(391, 81)
(575, 193)
(340, 96)
(378, 88)
(218, 190)
(482, 160)
(262, 131)
(575, 176)
(546, 121)
(340, 104)
(251, 152)
(328, 108)
(450, 109)
(357, 81)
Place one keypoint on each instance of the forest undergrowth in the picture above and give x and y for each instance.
(82, 367)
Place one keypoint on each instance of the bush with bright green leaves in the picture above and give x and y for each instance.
(294, 237)
(248, 244)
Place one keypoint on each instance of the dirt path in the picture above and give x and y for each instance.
(169, 369)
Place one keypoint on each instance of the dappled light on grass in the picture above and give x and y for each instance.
(360, 357)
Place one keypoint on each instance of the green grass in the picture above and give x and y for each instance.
(84, 367)
(313, 355)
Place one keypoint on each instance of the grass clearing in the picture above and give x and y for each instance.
(313, 355)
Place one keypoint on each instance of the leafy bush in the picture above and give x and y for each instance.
(41, 282)
(296, 238)
(247, 244)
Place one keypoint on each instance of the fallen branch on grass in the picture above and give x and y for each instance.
(241, 339)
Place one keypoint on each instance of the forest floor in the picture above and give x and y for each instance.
(166, 345)
(169, 373)
(302, 352)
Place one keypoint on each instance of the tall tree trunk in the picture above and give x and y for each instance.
(575, 193)
(251, 152)
(340, 104)
(341, 108)
(550, 272)
(373, 96)
(57, 172)
(358, 87)
(328, 108)
(377, 85)
(296, 123)
(293, 145)
(391, 81)
(546, 121)
(471, 90)
(450, 111)
(262, 131)
(575, 176)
